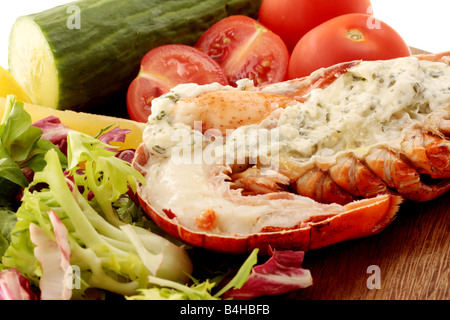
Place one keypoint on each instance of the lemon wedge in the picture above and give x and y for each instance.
(9, 85)
(88, 123)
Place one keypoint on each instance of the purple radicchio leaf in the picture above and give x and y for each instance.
(54, 131)
(282, 273)
(14, 286)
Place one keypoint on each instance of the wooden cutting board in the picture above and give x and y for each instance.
(411, 257)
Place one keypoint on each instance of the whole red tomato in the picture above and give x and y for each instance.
(345, 38)
(291, 19)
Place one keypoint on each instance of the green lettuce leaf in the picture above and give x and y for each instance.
(8, 221)
(119, 258)
(20, 144)
(200, 290)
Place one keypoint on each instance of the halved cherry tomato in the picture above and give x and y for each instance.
(292, 19)
(246, 49)
(345, 38)
(165, 67)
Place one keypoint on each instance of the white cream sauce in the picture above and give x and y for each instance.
(372, 103)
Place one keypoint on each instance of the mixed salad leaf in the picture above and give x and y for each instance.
(7, 223)
(21, 149)
(71, 228)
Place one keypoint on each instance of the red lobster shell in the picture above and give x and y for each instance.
(352, 193)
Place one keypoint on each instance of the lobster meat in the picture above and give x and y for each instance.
(300, 164)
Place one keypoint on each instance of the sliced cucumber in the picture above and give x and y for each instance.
(65, 66)
(34, 68)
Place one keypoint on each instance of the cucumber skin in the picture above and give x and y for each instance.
(103, 56)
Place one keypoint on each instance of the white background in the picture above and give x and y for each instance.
(424, 24)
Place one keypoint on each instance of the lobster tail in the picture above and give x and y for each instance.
(345, 146)
(419, 169)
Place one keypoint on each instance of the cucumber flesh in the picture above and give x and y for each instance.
(34, 68)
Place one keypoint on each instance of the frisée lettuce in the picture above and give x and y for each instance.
(83, 190)
(108, 254)
(78, 229)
